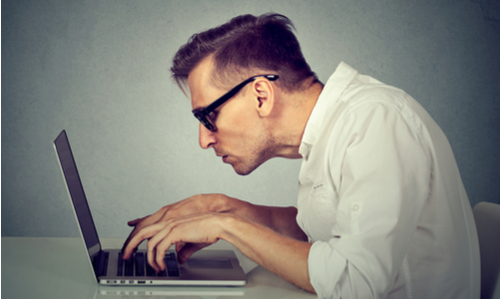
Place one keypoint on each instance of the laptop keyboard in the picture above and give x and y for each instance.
(138, 266)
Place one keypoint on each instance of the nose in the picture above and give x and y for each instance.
(207, 137)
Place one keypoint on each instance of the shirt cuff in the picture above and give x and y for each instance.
(325, 269)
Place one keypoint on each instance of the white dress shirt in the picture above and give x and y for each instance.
(381, 198)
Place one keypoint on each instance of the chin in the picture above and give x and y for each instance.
(243, 170)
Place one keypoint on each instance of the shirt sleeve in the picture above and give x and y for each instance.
(385, 173)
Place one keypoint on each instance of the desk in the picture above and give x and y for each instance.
(58, 268)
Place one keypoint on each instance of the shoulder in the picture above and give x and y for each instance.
(366, 91)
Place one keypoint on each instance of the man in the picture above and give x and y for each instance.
(382, 211)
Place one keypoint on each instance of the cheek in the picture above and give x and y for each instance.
(239, 127)
(234, 139)
(239, 124)
(238, 140)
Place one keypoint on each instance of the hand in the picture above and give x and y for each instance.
(185, 250)
(190, 233)
(192, 205)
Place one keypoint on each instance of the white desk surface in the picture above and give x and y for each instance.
(58, 268)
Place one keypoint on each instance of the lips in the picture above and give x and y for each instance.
(224, 157)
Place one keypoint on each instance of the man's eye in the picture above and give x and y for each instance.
(213, 115)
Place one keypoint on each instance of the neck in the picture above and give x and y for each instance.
(294, 111)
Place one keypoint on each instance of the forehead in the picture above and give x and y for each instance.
(202, 91)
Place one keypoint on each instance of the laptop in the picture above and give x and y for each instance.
(204, 268)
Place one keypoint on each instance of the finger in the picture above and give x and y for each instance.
(141, 235)
(156, 254)
(161, 249)
(151, 255)
(132, 234)
(156, 249)
(136, 221)
(127, 241)
(149, 219)
(141, 223)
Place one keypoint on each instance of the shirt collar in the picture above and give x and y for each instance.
(331, 92)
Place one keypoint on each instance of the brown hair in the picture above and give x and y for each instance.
(244, 44)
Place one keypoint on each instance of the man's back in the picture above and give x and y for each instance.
(382, 197)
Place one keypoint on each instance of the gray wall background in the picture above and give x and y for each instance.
(99, 69)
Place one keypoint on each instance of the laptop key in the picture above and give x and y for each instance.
(104, 264)
(173, 272)
(149, 270)
(172, 266)
(129, 267)
(172, 269)
(139, 264)
(119, 269)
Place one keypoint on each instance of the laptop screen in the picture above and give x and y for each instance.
(76, 191)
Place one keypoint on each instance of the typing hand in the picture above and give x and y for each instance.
(190, 233)
(185, 250)
(144, 227)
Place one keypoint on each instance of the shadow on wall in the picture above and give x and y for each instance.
(491, 9)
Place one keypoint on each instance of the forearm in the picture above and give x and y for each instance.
(280, 219)
(284, 256)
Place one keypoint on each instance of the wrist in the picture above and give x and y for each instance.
(230, 226)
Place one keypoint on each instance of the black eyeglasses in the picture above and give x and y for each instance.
(203, 114)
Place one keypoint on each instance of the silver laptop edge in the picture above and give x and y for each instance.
(93, 246)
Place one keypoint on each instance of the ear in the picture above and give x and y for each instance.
(263, 92)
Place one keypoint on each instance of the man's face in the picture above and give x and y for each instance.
(241, 138)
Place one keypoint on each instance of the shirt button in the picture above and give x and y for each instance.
(355, 207)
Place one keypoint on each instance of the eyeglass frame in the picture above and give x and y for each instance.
(202, 113)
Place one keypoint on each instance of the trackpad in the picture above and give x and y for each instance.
(195, 263)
